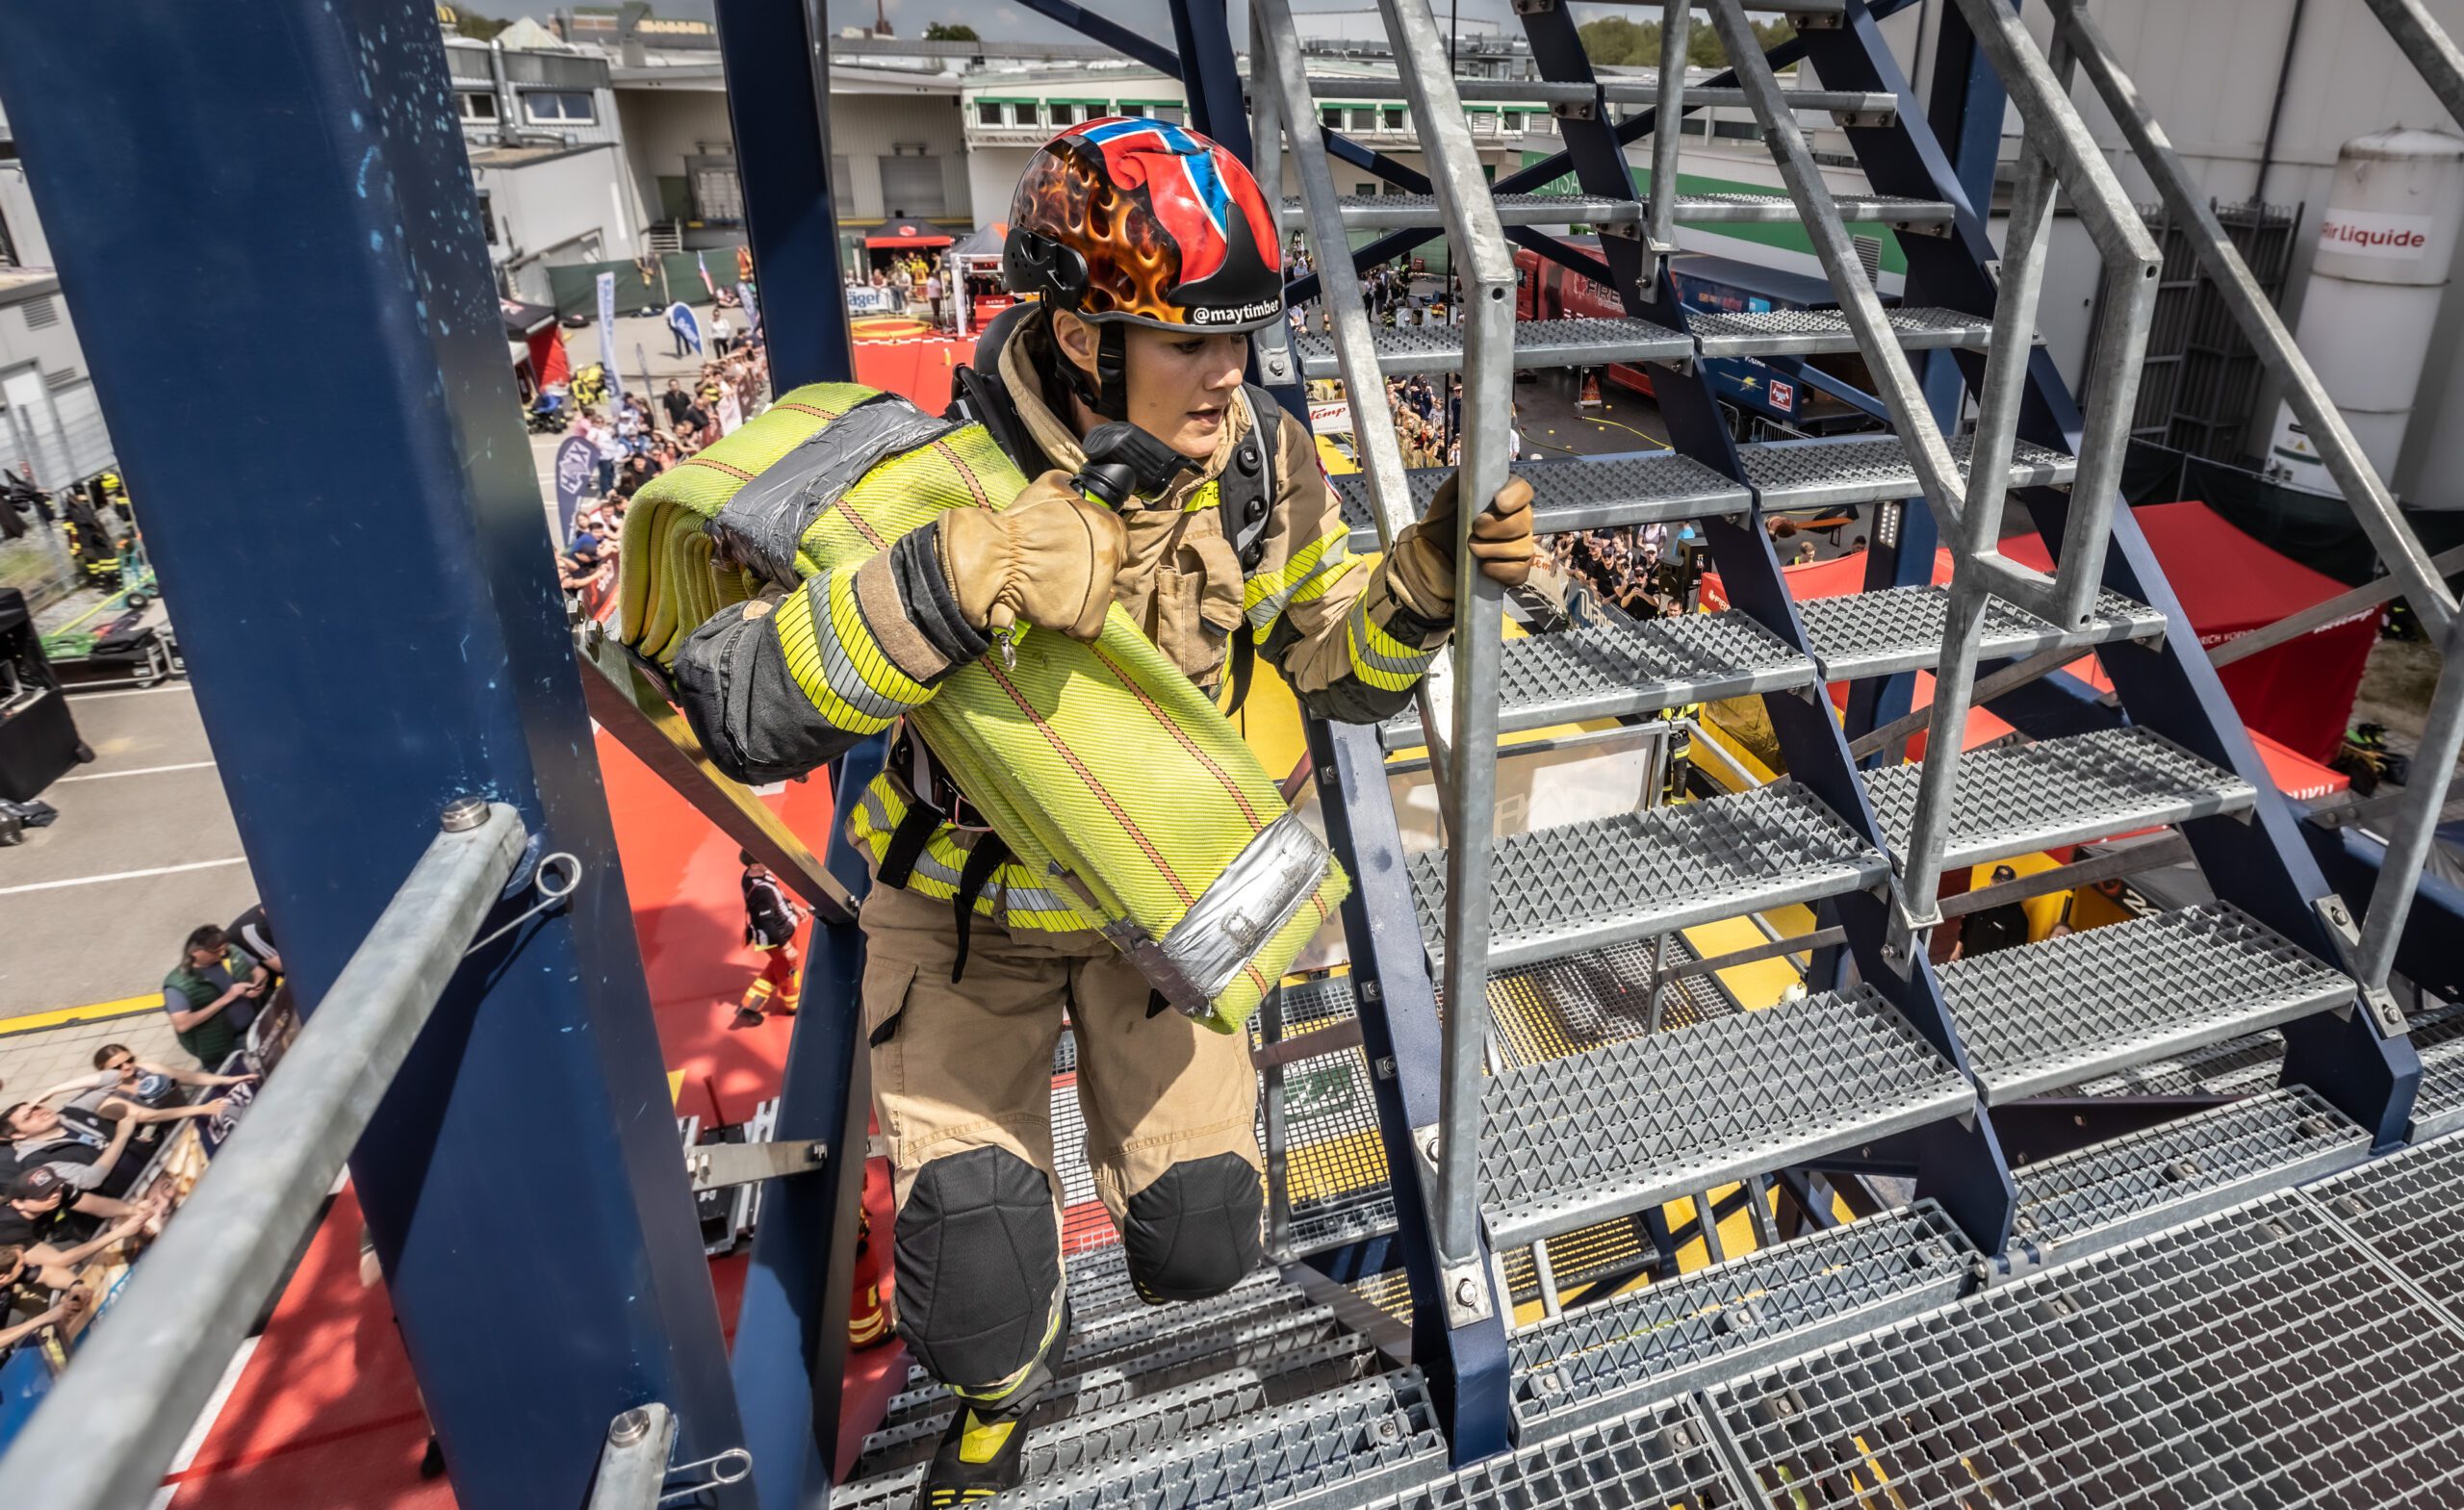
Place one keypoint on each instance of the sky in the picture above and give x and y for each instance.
(1000, 20)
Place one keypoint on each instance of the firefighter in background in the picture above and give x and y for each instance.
(1151, 256)
(771, 918)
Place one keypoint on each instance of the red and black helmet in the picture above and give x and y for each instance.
(1144, 222)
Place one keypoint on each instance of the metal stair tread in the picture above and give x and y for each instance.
(1282, 1365)
(2409, 1209)
(1387, 89)
(1814, 332)
(1615, 665)
(1628, 1125)
(1661, 1455)
(1868, 469)
(1893, 630)
(1395, 212)
(2161, 1176)
(1717, 1322)
(2017, 799)
(1369, 1435)
(1573, 493)
(2439, 1109)
(1680, 864)
(1405, 349)
(2060, 1011)
(2259, 1357)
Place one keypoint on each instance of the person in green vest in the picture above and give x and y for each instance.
(213, 995)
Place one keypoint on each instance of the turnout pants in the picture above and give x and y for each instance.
(962, 1091)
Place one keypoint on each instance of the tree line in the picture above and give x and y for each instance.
(1613, 42)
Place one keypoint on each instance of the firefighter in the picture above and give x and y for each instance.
(1149, 256)
(771, 918)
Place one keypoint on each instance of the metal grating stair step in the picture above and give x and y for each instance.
(1900, 628)
(1816, 332)
(1615, 665)
(2061, 1010)
(1401, 212)
(1869, 468)
(2256, 1359)
(1585, 492)
(2409, 1209)
(1662, 1457)
(1403, 350)
(1674, 866)
(1672, 1334)
(2073, 790)
(2439, 1109)
(1364, 1438)
(1189, 1380)
(2162, 1176)
(1619, 1128)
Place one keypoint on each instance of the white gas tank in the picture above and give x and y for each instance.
(2385, 242)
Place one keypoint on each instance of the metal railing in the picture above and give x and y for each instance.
(103, 1438)
(2420, 41)
(1468, 770)
(2055, 149)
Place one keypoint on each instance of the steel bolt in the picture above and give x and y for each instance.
(1467, 1293)
(630, 1427)
(462, 814)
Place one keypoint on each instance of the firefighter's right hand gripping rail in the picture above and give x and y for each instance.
(1116, 789)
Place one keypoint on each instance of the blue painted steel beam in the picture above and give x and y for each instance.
(1210, 79)
(342, 503)
(1466, 1366)
(776, 53)
(792, 1334)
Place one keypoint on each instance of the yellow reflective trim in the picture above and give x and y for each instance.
(983, 1440)
(800, 637)
(1205, 495)
(1269, 585)
(1316, 587)
(864, 651)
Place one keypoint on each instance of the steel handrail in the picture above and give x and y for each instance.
(103, 1438)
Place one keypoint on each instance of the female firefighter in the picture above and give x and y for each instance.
(1151, 256)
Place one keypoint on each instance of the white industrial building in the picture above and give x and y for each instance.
(51, 427)
(547, 156)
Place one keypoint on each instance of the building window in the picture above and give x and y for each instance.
(1365, 190)
(1169, 115)
(487, 218)
(988, 112)
(842, 187)
(560, 108)
(1133, 110)
(1064, 112)
(1391, 117)
(718, 199)
(1737, 130)
(1333, 117)
(478, 107)
(912, 186)
(1510, 121)
(40, 314)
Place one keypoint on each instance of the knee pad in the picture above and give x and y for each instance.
(1193, 1232)
(979, 1267)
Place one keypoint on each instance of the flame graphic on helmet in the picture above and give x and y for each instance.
(1150, 241)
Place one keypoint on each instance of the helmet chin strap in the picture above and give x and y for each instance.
(1107, 393)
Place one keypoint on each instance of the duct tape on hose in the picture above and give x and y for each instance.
(762, 524)
(1263, 887)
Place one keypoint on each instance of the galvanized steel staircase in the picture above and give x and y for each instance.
(1519, 1073)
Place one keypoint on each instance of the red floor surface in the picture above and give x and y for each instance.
(325, 1414)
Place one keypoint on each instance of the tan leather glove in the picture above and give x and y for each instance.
(1048, 559)
(1500, 542)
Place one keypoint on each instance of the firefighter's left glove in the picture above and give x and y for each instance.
(1423, 558)
(1047, 561)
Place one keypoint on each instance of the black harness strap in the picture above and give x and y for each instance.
(1243, 501)
(981, 863)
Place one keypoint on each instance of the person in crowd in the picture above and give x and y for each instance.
(722, 334)
(87, 1148)
(675, 401)
(22, 1292)
(577, 570)
(121, 1082)
(254, 934)
(636, 473)
(902, 285)
(36, 1220)
(608, 448)
(213, 994)
(932, 296)
(771, 918)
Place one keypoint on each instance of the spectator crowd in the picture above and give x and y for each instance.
(641, 436)
(81, 1178)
